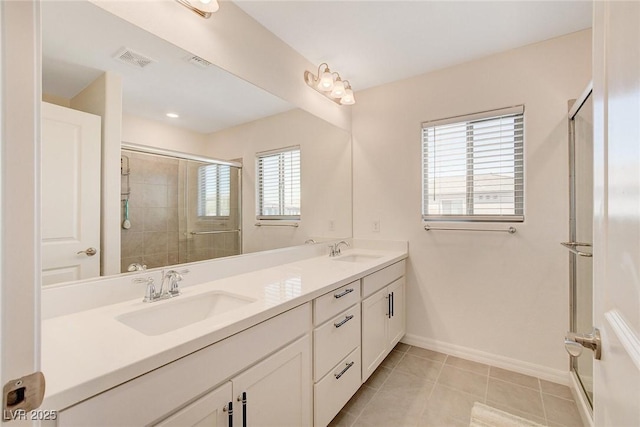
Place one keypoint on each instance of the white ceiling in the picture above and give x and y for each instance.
(367, 42)
(375, 42)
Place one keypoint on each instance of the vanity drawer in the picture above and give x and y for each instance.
(332, 303)
(380, 279)
(336, 388)
(335, 339)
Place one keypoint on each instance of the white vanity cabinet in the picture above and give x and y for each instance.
(297, 368)
(275, 392)
(383, 315)
(336, 360)
(212, 410)
(270, 362)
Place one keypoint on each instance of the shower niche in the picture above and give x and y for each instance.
(178, 209)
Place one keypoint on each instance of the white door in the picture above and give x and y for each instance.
(212, 410)
(397, 322)
(278, 390)
(375, 319)
(616, 90)
(70, 194)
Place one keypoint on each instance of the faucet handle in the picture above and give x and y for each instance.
(136, 266)
(150, 293)
(174, 277)
(332, 250)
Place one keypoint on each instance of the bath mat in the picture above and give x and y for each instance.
(486, 416)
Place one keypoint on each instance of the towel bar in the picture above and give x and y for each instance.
(510, 230)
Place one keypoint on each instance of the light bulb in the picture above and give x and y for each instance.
(348, 98)
(325, 81)
(206, 5)
(338, 89)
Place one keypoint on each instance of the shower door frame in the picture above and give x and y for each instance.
(573, 112)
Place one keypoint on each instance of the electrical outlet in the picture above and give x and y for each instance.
(376, 226)
(332, 225)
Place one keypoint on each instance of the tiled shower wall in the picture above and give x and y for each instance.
(162, 212)
(153, 211)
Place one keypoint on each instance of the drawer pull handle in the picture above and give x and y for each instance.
(342, 322)
(341, 294)
(346, 368)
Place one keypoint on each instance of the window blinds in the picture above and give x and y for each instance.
(278, 178)
(214, 190)
(473, 167)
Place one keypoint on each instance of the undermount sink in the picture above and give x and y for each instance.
(356, 258)
(177, 313)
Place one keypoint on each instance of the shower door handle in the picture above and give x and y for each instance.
(573, 247)
(574, 343)
(88, 252)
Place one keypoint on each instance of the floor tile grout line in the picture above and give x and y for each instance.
(520, 385)
(486, 390)
(544, 409)
(378, 389)
(437, 382)
(433, 388)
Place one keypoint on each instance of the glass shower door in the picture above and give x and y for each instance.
(581, 264)
(211, 220)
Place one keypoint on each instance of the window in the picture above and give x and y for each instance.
(278, 180)
(472, 167)
(214, 190)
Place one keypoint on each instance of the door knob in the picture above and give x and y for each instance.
(88, 252)
(574, 343)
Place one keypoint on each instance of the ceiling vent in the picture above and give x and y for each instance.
(133, 58)
(199, 62)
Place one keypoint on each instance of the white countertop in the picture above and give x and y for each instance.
(88, 352)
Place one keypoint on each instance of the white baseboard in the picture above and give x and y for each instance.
(526, 368)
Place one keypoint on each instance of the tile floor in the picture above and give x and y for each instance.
(418, 387)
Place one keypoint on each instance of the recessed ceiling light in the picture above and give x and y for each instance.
(173, 115)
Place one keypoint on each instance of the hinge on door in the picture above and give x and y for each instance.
(22, 395)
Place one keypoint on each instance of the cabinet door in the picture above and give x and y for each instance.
(397, 323)
(208, 411)
(375, 319)
(278, 389)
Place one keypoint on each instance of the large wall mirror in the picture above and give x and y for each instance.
(178, 189)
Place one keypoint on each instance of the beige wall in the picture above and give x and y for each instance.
(489, 296)
(325, 161)
(138, 130)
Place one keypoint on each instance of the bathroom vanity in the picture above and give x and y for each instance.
(288, 344)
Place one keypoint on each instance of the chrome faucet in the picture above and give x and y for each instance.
(150, 293)
(171, 277)
(334, 250)
(136, 266)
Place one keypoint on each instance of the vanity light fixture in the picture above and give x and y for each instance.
(203, 8)
(330, 85)
(172, 115)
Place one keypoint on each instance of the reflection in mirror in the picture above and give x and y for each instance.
(96, 63)
(177, 210)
